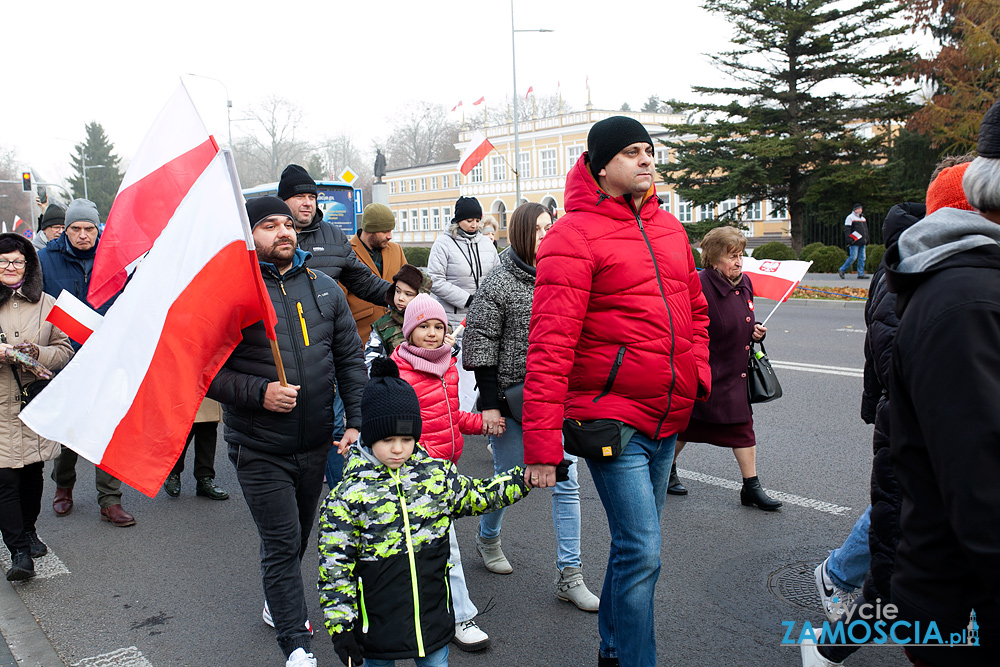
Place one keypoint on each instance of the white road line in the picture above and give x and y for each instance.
(788, 498)
(123, 657)
(816, 368)
(47, 566)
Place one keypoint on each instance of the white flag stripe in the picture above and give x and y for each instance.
(132, 327)
(161, 145)
(79, 311)
(786, 269)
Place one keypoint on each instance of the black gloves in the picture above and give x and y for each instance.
(346, 647)
(562, 470)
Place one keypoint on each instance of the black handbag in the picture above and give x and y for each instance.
(30, 390)
(762, 383)
(514, 397)
(600, 439)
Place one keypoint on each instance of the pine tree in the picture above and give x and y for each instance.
(810, 115)
(103, 174)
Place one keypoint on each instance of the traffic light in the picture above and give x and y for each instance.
(26, 181)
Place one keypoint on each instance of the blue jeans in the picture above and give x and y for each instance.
(632, 488)
(438, 658)
(848, 565)
(465, 609)
(508, 451)
(335, 461)
(855, 252)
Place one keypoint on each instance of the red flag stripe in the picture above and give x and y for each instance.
(476, 157)
(771, 287)
(139, 214)
(69, 325)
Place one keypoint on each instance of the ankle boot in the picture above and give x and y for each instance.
(753, 494)
(603, 661)
(570, 587)
(674, 486)
(62, 503)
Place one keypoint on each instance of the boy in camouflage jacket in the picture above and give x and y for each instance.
(383, 536)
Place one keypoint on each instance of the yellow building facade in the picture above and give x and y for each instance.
(423, 197)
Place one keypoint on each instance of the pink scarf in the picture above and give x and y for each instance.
(434, 361)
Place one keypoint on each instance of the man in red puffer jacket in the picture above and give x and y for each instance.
(619, 330)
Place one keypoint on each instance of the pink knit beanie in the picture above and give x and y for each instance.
(423, 307)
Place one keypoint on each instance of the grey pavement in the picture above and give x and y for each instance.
(182, 587)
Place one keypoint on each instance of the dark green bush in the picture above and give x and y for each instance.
(827, 260)
(808, 251)
(416, 255)
(873, 257)
(696, 252)
(774, 250)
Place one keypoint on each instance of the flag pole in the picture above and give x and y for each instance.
(783, 299)
(277, 362)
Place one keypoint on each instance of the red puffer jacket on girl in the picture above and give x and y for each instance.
(619, 323)
(443, 422)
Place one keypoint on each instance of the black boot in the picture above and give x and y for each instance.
(753, 494)
(606, 662)
(21, 567)
(674, 486)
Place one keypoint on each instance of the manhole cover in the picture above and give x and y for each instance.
(795, 584)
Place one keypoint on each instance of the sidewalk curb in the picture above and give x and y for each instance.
(28, 643)
(825, 303)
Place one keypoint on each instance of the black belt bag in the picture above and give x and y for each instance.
(514, 397)
(600, 439)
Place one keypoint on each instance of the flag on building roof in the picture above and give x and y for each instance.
(74, 318)
(531, 89)
(479, 146)
(479, 101)
(455, 108)
(773, 279)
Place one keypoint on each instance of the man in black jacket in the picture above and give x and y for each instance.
(279, 436)
(331, 253)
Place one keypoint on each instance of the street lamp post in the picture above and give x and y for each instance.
(517, 143)
(229, 104)
(83, 160)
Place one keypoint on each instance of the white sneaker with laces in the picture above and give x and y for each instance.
(469, 637)
(811, 657)
(299, 658)
(835, 600)
(266, 615)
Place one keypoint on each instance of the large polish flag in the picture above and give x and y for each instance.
(127, 400)
(479, 147)
(175, 151)
(773, 279)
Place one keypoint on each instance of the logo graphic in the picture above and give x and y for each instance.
(769, 266)
(877, 625)
(750, 304)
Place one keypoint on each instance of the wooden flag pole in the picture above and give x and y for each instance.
(277, 362)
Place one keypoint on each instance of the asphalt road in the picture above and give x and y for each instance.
(183, 588)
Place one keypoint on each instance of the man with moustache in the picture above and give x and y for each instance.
(279, 436)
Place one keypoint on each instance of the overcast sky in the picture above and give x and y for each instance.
(349, 67)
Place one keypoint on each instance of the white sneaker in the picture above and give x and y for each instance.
(811, 657)
(266, 615)
(299, 658)
(835, 600)
(469, 637)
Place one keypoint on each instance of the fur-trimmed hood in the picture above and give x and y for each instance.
(31, 288)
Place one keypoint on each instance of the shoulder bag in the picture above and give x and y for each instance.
(762, 383)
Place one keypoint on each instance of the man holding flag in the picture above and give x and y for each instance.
(279, 436)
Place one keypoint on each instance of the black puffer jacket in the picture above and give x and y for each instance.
(333, 355)
(881, 320)
(332, 254)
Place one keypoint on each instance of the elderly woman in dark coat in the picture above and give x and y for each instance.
(726, 419)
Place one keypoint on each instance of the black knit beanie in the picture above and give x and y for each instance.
(609, 136)
(295, 181)
(466, 208)
(54, 215)
(989, 133)
(260, 208)
(389, 406)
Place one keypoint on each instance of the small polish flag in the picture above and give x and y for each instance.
(855, 236)
(531, 89)
(73, 317)
(22, 228)
(479, 147)
(479, 101)
(773, 279)
(455, 108)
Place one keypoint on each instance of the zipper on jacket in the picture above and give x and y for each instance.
(670, 318)
(361, 606)
(299, 362)
(612, 375)
(302, 321)
(447, 587)
(413, 565)
(451, 423)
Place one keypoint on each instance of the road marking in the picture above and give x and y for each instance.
(815, 368)
(123, 657)
(47, 566)
(853, 330)
(811, 503)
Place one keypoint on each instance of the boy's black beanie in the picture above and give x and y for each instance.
(389, 406)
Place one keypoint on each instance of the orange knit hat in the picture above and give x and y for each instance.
(946, 190)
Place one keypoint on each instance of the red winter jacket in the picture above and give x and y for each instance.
(619, 323)
(443, 422)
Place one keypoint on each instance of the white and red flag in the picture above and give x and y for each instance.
(479, 101)
(22, 228)
(455, 108)
(127, 400)
(479, 146)
(773, 279)
(175, 151)
(531, 89)
(74, 318)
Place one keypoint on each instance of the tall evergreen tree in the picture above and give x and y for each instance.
(103, 174)
(810, 114)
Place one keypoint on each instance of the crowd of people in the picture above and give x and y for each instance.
(593, 338)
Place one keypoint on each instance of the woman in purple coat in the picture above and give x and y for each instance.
(726, 419)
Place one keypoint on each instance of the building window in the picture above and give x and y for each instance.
(684, 210)
(413, 185)
(435, 218)
(776, 213)
(445, 182)
(728, 205)
(665, 198)
(706, 212)
(476, 175)
(548, 159)
(446, 215)
(423, 184)
(424, 220)
(413, 220)
(392, 187)
(434, 182)
(402, 221)
(662, 155)
(458, 180)
(753, 211)
(524, 165)
(500, 213)
(498, 167)
(573, 154)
